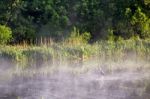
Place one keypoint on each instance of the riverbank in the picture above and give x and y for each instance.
(56, 53)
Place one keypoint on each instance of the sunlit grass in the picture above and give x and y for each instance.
(120, 50)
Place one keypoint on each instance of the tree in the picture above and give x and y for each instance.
(141, 24)
(125, 18)
(5, 34)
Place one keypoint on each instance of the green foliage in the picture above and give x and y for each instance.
(108, 50)
(141, 24)
(111, 36)
(5, 34)
(12, 53)
(24, 33)
(77, 38)
(126, 18)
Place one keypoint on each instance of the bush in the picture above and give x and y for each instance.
(77, 38)
(141, 23)
(5, 34)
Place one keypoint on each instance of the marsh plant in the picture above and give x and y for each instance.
(118, 50)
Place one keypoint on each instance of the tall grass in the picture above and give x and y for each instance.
(119, 50)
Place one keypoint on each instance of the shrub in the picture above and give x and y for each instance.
(141, 23)
(5, 34)
(77, 38)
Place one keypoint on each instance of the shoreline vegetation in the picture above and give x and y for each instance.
(26, 55)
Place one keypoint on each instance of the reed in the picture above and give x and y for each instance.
(118, 50)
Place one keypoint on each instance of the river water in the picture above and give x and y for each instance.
(63, 84)
(76, 82)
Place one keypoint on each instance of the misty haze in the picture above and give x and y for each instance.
(74, 49)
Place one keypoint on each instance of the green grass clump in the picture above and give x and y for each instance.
(12, 53)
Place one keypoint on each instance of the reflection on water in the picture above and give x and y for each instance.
(67, 85)
(92, 80)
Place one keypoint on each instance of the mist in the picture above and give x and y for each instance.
(93, 79)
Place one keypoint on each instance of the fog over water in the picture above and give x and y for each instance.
(81, 82)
